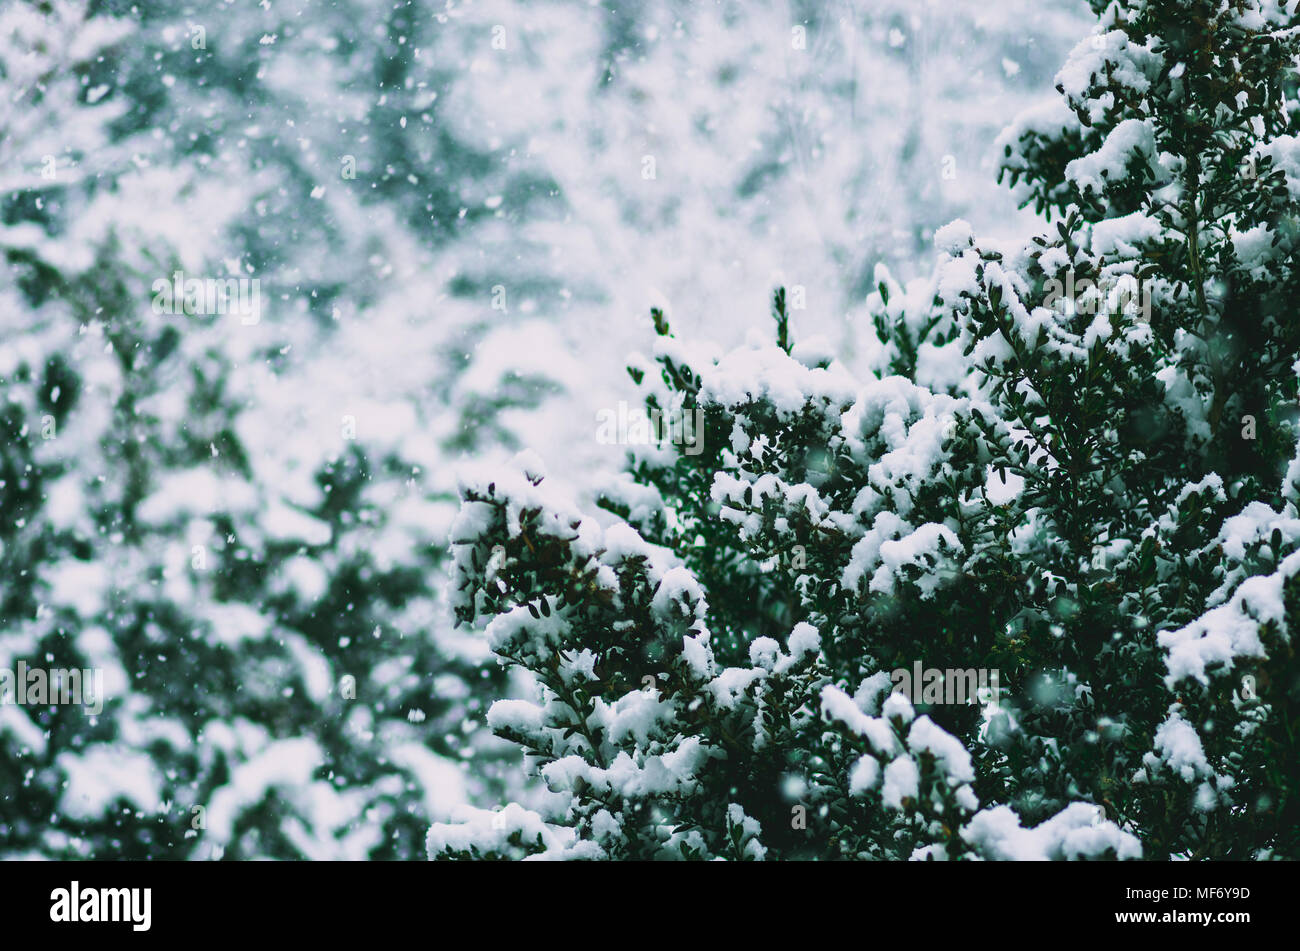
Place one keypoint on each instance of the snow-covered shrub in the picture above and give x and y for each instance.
(1075, 463)
(253, 582)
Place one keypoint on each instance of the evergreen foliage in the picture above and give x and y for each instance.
(1075, 464)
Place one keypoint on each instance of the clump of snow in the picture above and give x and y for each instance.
(1076, 832)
